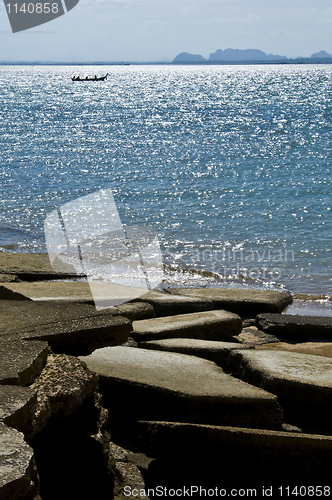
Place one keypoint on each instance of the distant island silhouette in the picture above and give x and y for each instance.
(255, 56)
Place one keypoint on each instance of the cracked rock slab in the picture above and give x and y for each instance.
(8, 294)
(31, 266)
(166, 304)
(218, 352)
(21, 361)
(208, 325)
(280, 458)
(69, 328)
(17, 471)
(68, 291)
(17, 405)
(145, 383)
(84, 335)
(300, 377)
(62, 387)
(241, 301)
(296, 327)
(315, 348)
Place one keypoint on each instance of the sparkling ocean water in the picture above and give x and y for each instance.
(231, 165)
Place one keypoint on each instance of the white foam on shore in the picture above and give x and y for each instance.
(320, 307)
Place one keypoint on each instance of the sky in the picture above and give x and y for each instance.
(158, 30)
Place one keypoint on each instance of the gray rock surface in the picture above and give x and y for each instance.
(301, 377)
(250, 335)
(131, 310)
(166, 304)
(18, 478)
(127, 474)
(241, 301)
(62, 387)
(8, 294)
(218, 352)
(149, 384)
(68, 291)
(295, 327)
(68, 328)
(30, 266)
(315, 348)
(208, 325)
(84, 335)
(17, 406)
(21, 361)
(266, 456)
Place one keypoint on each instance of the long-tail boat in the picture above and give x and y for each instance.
(87, 79)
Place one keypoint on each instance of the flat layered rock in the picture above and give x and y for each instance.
(69, 328)
(209, 325)
(315, 348)
(295, 327)
(68, 291)
(17, 405)
(8, 294)
(131, 310)
(31, 266)
(62, 387)
(149, 385)
(21, 361)
(280, 458)
(166, 304)
(218, 352)
(82, 336)
(300, 377)
(242, 301)
(18, 478)
(250, 335)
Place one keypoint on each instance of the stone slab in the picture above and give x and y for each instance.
(68, 291)
(8, 278)
(243, 301)
(69, 328)
(250, 335)
(8, 294)
(131, 310)
(218, 352)
(166, 304)
(300, 377)
(21, 361)
(61, 388)
(31, 266)
(208, 325)
(145, 383)
(17, 405)
(296, 327)
(266, 456)
(315, 348)
(16, 465)
(82, 336)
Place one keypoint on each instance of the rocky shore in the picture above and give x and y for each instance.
(209, 389)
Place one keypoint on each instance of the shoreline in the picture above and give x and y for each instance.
(34, 267)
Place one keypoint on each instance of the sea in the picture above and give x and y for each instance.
(229, 164)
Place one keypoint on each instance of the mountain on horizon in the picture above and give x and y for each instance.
(186, 57)
(246, 55)
(243, 55)
(321, 55)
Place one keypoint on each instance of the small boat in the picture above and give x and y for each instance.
(87, 79)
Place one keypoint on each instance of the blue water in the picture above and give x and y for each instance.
(231, 165)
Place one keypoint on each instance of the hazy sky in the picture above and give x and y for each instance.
(155, 30)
